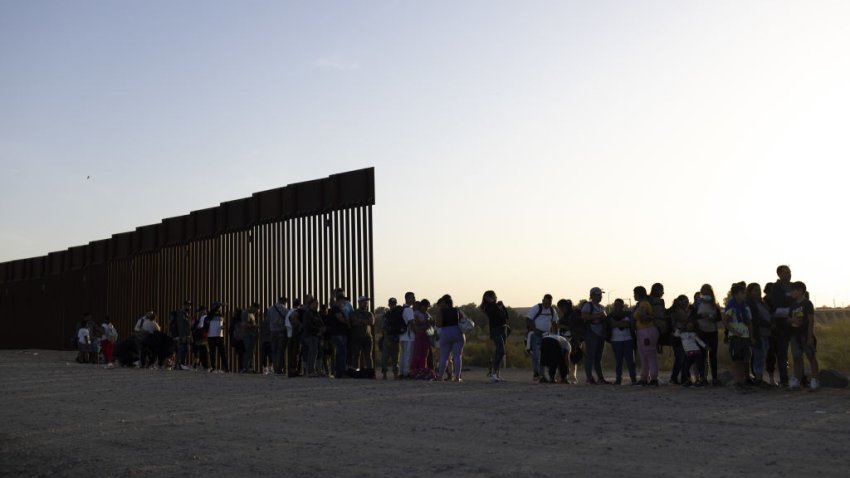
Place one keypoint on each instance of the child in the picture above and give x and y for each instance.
(803, 341)
(83, 342)
(692, 346)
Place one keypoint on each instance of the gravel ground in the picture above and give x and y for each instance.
(60, 418)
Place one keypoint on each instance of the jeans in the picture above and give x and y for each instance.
(249, 342)
(217, 347)
(279, 343)
(760, 356)
(340, 343)
(293, 362)
(594, 346)
(310, 349)
(710, 339)
(678, 361)
(536, 341)
(451, 342)
(694, 358)
(266, 354)
(783, 340)
(361, 352)
(182, 351)
(498, 338)
(624, 350)
(389, 354)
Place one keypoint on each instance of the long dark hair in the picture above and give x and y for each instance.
(447, 301)
(487, 295)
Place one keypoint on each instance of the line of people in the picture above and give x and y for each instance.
(758, 328)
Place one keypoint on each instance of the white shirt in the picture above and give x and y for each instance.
(562, 341)
(618, 335)
(546, 318)
(83, 336)
(288, 323)
(216, 326)
(690, 341)
(408, 316)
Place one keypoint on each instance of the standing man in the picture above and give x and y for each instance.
(216, 337)
(181, 333)
(406, 339)
(593, 315)
(781, 300)
(540, 320)
(389, 341)
(250, 328)
(337, 328)
(293, 331)
(276, 315)
(362, 322)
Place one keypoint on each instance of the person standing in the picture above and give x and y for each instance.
(539, 320)
(571, 326)
(181, 333)
(276, 315)
(801, 322)
(337, 328)
(312, 329)
(497, 318)
(215, 335)
(294, 332)
(110, 336)
(200, 344)
(421, 344)
(593, 315)
(708, 314)
(622, 342)
(781, 301)
(389, 341)
(145, 326)
(250, 329)
(362, 341)
(679, 316)
(647, 338)
(407, 338)
(738, 321)
(451, 337)
(762, 324)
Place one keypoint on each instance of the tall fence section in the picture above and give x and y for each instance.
(305, 238)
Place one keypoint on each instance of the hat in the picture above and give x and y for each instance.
(596, 291)
(362, 298)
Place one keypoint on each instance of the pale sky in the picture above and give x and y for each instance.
(525, 147)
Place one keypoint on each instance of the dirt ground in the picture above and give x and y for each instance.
(60, 418)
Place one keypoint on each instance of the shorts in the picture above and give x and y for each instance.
(799, 346)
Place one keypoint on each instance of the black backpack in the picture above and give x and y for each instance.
(395, 322)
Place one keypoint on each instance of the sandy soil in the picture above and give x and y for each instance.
(64, 419)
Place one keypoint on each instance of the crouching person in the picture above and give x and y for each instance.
(554, 355)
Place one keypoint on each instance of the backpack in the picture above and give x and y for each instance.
(395, 322)
(110, 333)
(540, 312)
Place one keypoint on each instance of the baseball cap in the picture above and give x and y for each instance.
(596, 291)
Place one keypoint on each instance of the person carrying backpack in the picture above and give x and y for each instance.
(593, 315)
(539, 320)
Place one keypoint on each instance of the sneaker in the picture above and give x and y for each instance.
(687, 384)
(699, 384)
(494, 379)
(110, 365)
(184, 367)
(813, 384)
(674, 381)
(793, 384)
(602, 381)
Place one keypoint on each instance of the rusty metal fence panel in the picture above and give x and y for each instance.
(305, 238)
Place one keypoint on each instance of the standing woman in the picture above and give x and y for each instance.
(708, 315)
(451, 337)
(679, 315)
(647, 338)
(761, 331)
(497, 316)
(421, 343)
(738, 321)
